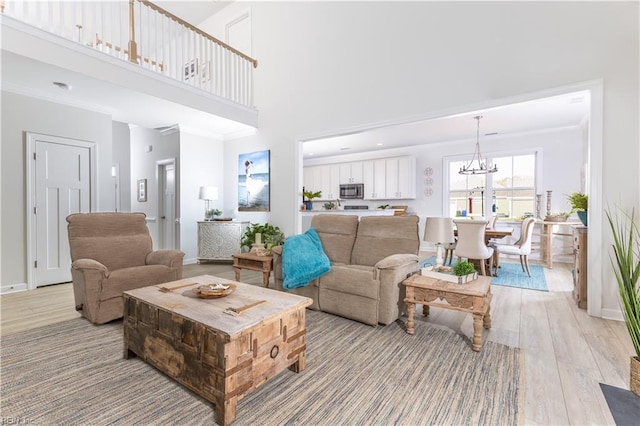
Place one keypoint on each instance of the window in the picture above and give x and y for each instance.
(510, 192)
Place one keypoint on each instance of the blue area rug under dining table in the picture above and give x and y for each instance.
(509, 275)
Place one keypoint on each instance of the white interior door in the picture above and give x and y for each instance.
(62, 185)
(168, 223)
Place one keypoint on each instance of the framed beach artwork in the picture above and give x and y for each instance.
(253, 182)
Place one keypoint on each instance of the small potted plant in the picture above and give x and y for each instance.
(579, 204)
(329, 206)
(308, 197)
(465, 271)
(213, 213)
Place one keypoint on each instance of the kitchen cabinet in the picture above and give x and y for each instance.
(351, 172)
(400, 178)
(219, 240)
(374, 179)
(383, 179)
(325, 178)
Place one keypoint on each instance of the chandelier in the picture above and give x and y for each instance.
(477, 166)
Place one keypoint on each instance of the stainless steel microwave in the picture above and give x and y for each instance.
(352, 191)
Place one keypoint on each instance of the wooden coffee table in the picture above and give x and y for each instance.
(219, 356)
(473, 297)
(253, 262)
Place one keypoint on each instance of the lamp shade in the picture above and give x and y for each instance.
(208, 193)
(439, 230)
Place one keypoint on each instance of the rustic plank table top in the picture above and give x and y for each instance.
(180, 299)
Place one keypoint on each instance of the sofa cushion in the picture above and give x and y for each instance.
(337, 233)
(382, 236)
(131, 278)
(303, 259)
(355, 279)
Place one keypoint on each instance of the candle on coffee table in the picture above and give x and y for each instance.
(258, 238)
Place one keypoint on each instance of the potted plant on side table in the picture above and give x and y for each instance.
(269, 235)
(579, 204)
(626, 266)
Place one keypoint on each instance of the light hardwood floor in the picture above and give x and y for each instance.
(566, 353)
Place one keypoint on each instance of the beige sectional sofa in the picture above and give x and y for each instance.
(369, 258)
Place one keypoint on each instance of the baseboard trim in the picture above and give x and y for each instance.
(612, 314)
(13, 288)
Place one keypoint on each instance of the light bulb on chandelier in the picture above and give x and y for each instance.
(477, 166)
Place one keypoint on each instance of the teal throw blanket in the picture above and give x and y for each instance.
(303, 259)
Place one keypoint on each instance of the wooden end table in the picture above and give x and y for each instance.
(253, 262)
(473, 297)
(220, 357)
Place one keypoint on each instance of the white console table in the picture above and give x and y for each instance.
(219, 240)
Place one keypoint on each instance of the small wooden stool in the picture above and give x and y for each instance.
(253, 262)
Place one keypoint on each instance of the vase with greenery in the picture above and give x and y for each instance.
(270, 235)
(212, 214)
(308, 197)
(626, 266)
(579, 204)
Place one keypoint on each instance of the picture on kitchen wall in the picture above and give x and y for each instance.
(253, 182)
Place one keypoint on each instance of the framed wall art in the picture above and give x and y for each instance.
(142, 190)
(253, 182)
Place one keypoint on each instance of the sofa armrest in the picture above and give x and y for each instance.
(396, 261)
(170, 258)
(90, 264)
(277, 267)
(391, 271)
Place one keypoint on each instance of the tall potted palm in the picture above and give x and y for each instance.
(626, 266)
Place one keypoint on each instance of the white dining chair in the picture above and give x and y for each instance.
(471, 243)
(522, 247)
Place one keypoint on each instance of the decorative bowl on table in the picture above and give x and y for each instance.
(556, 218)
(214, 290)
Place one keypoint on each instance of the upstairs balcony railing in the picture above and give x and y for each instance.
(140, 32)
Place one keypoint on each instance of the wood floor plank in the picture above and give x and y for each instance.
(586, 404)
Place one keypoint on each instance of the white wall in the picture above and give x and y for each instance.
(148, 146)
(201, 164)
(329, 66)
(25, 114)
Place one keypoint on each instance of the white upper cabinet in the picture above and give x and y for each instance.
(374, 179)
(383, 179)
(351, 172)
(401, 178)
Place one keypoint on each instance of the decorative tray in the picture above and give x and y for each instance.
(448, 276)
(214, 290)
(223, 219)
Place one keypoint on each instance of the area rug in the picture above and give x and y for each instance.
(624, 404)
(510, 275)
(74, 373)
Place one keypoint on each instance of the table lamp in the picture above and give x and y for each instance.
(208, 194)
(439, 230)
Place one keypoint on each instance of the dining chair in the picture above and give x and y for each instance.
(471, 243)
(522, 247)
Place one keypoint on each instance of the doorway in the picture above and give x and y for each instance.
(167, 210)
(60, 173)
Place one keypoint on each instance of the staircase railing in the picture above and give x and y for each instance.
(141, 32)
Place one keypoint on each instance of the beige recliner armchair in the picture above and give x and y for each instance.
(112, 253)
